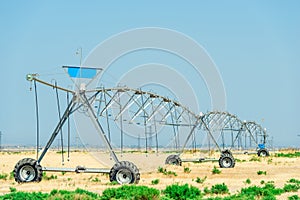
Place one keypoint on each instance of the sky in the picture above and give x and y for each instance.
(254, 44)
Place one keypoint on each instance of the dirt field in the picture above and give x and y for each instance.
(277, 169)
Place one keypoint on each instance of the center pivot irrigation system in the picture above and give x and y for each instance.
(147, 111)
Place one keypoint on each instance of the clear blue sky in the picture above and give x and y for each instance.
(255, 44)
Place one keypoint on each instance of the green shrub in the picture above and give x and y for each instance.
(219, 189)
(11, 175)
(182, 192)
(199, 180)
(113, 183)
(261, 172)
(96, 180)
(3, 176)
(12, 189)
(294, 197)
(160, 169)
(291, 188)
(25, 195)
(294, 181)
(47, 178)
(267, 192)
(60, 152)
(288, 155)
(155, 181)
(165, 172)
(215, 170)
(131, 192)
(248, 181)
(255, 159)
(206, 190)
(186, 170)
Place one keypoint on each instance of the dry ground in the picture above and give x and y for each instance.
(278, 170)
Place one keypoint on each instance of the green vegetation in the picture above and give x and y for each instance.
(199, 180)
(155, 182)
(52, 177)
(255, 159)
(215, 170)
(3, 176)
(294, 181)
(219, 189)
(186, 170)
(11, 175)
(261, 172)
(239, 160)
(96, 180)
(182, 192)
(294, 197)
(60, 152)
(131, 192)
(267, 191)
(292, 186)
(113, 183)
(12, 189)
(165, 172)
(248, 181)
(288, 155)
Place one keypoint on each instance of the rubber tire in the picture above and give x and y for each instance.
(263, 153)
(173, 160)
(225, 159)
(124, 167)
(28, 164)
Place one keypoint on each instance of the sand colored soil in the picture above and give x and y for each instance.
(279, 170)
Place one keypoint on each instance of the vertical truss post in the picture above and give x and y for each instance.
(97, 125)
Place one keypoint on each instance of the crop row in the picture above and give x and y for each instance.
(177, 192)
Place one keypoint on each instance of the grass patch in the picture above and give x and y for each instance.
(261, 172)
(155, 182)
(3, 176)
(215, 170)
(200, 180)
(165, 172)
(248, 181)
(96, 180)
(131, 192)
(182, 192)
(186, 170)
(255, 159)
(294, 197)
(288, 155)
(47, 178)
(12, 189)
(219, 189)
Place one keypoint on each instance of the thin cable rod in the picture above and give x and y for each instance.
(59, 115)
(37, 121)
(69, 132)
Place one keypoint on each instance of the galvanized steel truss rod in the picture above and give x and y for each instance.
(58, 127)
(97, 125)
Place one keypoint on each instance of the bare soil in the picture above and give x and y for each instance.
(279, 170)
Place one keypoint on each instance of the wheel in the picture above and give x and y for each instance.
(28, 170)
(124, 172)
(173, 160)
(226, 161)
(263, 152)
